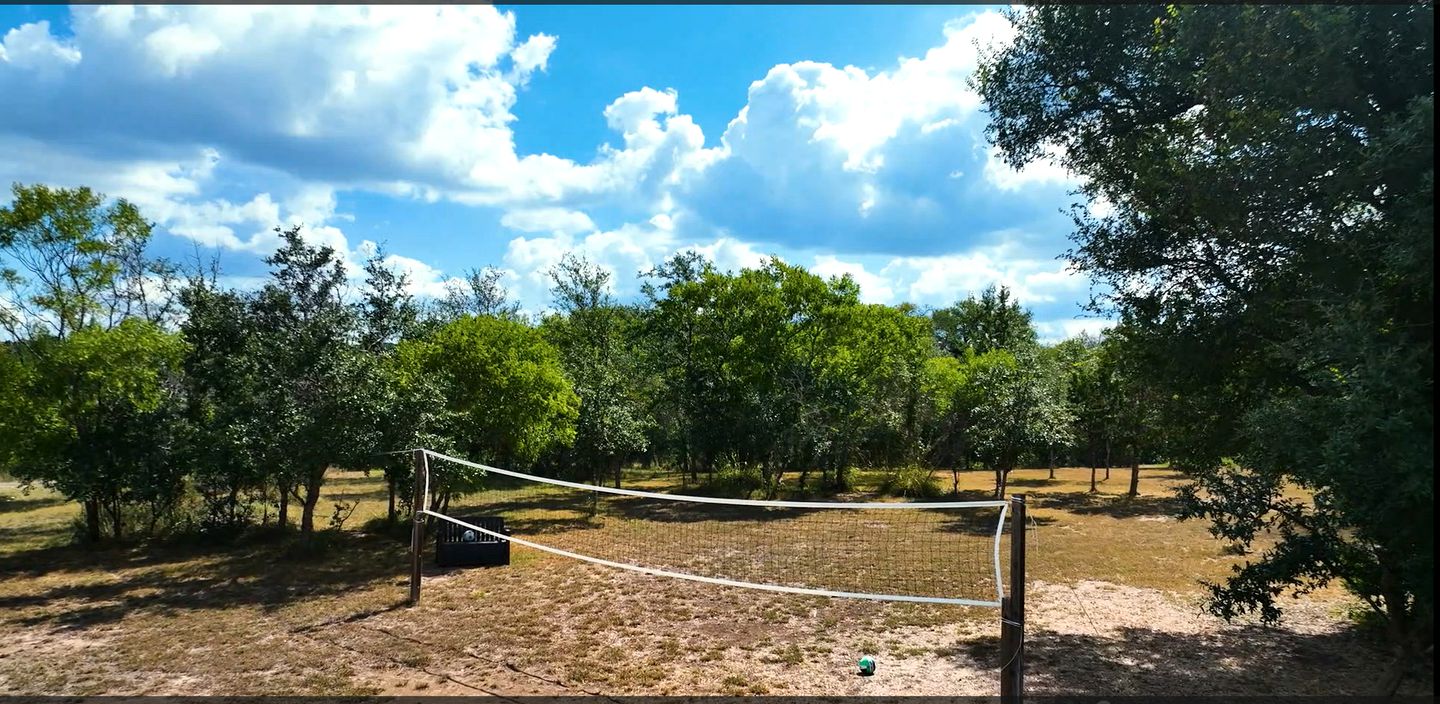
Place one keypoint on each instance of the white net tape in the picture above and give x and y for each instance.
(930, 552)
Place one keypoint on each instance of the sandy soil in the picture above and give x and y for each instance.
(1092, 637)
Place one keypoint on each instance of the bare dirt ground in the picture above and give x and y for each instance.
(1114, 609)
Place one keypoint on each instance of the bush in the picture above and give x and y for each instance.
(911, 482)
(141, 520)
(733, 482)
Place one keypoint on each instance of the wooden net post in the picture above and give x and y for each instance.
(417, 527)
(1012, 611)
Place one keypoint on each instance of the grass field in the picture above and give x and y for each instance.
(1113, 609)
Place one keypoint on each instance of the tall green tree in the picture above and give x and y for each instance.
(478, 292)
(1017, 408)
(1271, 244)
(871, 373)
(504, 395)
(674, 334)
(318, 404)
(1093, 402)
(598, 342)
(400, 413)
(946, 414)
(993, 321)
(1134, 401)
(80, 293)
(92, 416)
(231, 446)
(69, 258)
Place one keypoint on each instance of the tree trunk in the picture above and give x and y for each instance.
(1052, 462)
(616, 463)
(233, 504)
(1400, 625)
(312, 499)
(1092, 480)
(1000, 476)
(1107, 459)
(955, 480)
(692, 463)
(92, 519)
(116, 519)
(1135, 478)
(390, 508)
(307, 512)
(154, 519)
(284, 506)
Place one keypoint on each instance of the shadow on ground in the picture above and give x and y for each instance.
(983, 524)
(163, 578)
(1240, 660)
(1087, 504)
(9, 504)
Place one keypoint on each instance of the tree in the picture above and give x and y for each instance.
(1091, 398)
(790, 401)
(993, 321)
(597, 342)
(401, 413)
(317, 404)
(1069, 358)
(89, 415)
(947, 412)
(673, 332)
(505, 396)
(72, 261)
(81, 302)
(1134, 402)
(1016, 407)
(870, 371)
(231, 447)
(479, 293)
(1271, 244)
(388, 311)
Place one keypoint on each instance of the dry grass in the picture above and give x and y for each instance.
(1113, 610)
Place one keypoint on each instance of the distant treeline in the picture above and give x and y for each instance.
(129, 385)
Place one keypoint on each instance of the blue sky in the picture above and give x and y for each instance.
(844, 139)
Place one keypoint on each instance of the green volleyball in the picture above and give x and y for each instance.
(867, 665)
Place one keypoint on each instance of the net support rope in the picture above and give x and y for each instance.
(1003, 507)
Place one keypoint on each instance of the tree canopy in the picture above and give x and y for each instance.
(1269, 246)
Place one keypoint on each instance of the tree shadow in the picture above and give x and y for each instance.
(27, 533)
(664, 511)
(970, 495)
(375, 481)
(22, 504)
(1238, 660)
(356, 496)
(154, 577)
(536, 514)
(1043, 481)
(1088, 504)
(984, 526)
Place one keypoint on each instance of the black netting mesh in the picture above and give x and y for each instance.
(922, 550)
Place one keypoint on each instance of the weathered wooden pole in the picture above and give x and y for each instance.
(1012, 611)
(417, 527)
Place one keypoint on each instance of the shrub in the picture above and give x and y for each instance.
(734, 482)
(911, 482)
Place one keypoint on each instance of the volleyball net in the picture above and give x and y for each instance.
(932, 552)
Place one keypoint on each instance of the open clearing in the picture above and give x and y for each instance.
(1113, 609)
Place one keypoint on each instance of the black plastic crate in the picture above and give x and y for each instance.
(458, 546)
